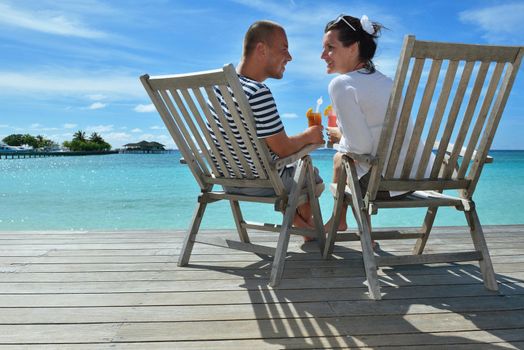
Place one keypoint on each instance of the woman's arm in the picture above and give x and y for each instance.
(353, 123)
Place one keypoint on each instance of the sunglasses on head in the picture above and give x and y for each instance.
(341, 18)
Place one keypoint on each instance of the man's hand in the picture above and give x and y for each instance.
(334, 134)
(315, 134)
(283, 145)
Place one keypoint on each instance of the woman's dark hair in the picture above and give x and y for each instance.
(350, 31)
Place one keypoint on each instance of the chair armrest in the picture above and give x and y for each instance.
(184, 161)
(363, 158)
(281, 162)
(489, 159)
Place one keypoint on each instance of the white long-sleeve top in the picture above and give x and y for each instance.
(360, 102)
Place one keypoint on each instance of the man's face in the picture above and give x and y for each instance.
(278, 55)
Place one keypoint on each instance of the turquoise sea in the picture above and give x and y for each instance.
(138, 191)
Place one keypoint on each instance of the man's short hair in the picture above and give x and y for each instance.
(260, 31)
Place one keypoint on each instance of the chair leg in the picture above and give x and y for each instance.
(486, 267)
(283, 239)
(237, 215)
(363, 220)
(189, 240)
(370, 264)
(335, 217)
(315, 206)
(420, 244)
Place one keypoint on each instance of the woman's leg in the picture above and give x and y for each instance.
(342, 225)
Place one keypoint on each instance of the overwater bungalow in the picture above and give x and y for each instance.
(144, 147)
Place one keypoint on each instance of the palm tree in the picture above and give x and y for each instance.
(79, 136)
(96, 138)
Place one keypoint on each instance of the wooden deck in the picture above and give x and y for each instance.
(101, 290)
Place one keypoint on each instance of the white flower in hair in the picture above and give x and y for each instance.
(367, 25)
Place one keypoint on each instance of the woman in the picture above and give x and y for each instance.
(359, 95)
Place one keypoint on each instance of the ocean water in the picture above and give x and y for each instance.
(155, 191)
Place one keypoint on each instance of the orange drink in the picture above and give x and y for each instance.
(313, 118)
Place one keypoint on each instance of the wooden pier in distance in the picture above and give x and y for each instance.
(35, 154)
(123, 289)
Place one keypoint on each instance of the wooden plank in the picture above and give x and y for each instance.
(195, 313)
(260, 328)
(115, 294)
(451, 51)
(188, 80)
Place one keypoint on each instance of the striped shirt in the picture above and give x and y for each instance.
(267, 121)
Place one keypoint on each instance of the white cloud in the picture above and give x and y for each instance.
(96, 97)
(51, 22)
(145, 108)
(36, 126)
(100, 128)
(289, 115)
(69, 126)
(156, 127)
(71, 82)
(4, 126)
(501, 20)
(97, 105)
(135, 130)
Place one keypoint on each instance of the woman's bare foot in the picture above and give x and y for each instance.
(342, 225)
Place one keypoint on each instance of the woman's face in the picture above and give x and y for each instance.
(339, 59)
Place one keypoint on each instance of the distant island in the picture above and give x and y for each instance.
(79, 143)
(27, 146)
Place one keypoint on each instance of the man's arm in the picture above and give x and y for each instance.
(283, 145)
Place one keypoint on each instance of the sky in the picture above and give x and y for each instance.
(68, 65)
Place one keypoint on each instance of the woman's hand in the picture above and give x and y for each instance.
(334, 134)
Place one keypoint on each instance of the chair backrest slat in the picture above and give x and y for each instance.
(494, 119)
(451, 120)
(197, 116)
(466, 112)
(479, 125)
(422, 114)
(240, 130)
(174, 131)
(216, 131)
(466, 120)
(437, 119)
(210, 119)
(391, 114)
(231, 140)
(404, 117)
(261, 148)
(190, 141)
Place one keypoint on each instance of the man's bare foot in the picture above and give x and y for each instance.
(300, 222)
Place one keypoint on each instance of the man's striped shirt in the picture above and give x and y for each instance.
(267, 120)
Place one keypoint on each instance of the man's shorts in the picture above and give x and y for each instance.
(287, 180)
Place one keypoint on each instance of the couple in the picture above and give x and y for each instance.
(359, 95)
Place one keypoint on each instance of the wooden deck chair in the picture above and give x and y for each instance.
(444, 146)
(186, 104)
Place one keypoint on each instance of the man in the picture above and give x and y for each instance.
(265, 55)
